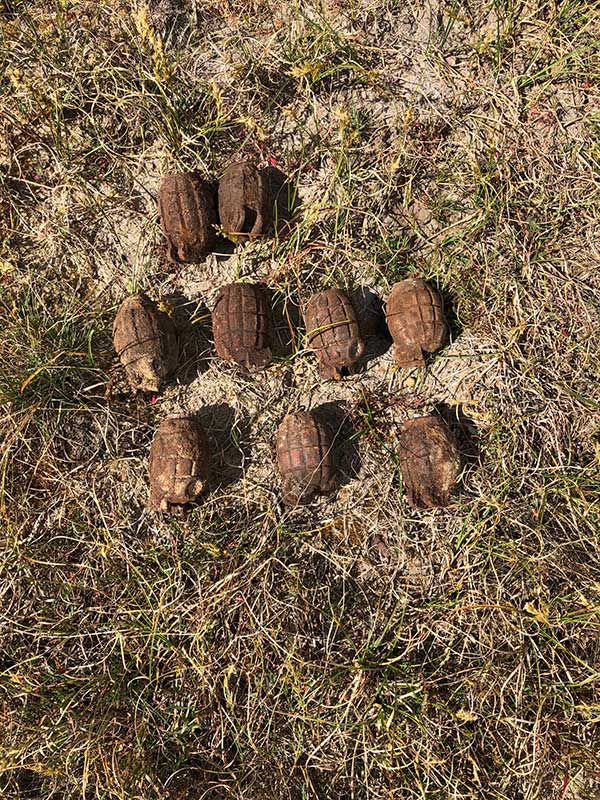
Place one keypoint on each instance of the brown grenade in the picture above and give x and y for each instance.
(242, 325)
(178, 463)
(305, 457)
(245, 202)
(333, 333)
(429, 462)
(145, 341)
(188, 216)
(415, 317)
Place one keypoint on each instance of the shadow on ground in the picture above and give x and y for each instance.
(449, 305)
(193, 324)
(347, 455)
(463, 428)
(285, 198)
(228, 442)
(370, 312)
(286, 322)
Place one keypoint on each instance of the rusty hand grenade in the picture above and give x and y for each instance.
(333, 332)
(415, 317)
(242, 325)
(188, 216)
(178, 463)
(145, 340)
(305, 457)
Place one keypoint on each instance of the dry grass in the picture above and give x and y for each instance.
(356, 648)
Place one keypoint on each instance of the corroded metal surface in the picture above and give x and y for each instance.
(245, 202)
(305, 457)
(145, 341)
(242, 325)
(429, 462)
(188, 215)
(415, 317)
(333, 332)
(178, 463)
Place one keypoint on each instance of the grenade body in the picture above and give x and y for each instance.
(305, 457)
(242, 325)
(415, 318)
(188, 216)
(145, 340)
(429, 461)
(245, 202)
(333, 332)
(178, 463)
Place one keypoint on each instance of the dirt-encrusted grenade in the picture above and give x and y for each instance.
(305, 457)
(429, 461)
(245, 202)
(333, 332)
(145, 340)
(188, 216)
(242, 325)
(415, 317)
(178, 463)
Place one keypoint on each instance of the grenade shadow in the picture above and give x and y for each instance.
(224, 247)
(227, 434)
(466, 435)
(449, 306)
(285, 324)
(285, 198)
(370, 312)
(347, 456)
(193, 324)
